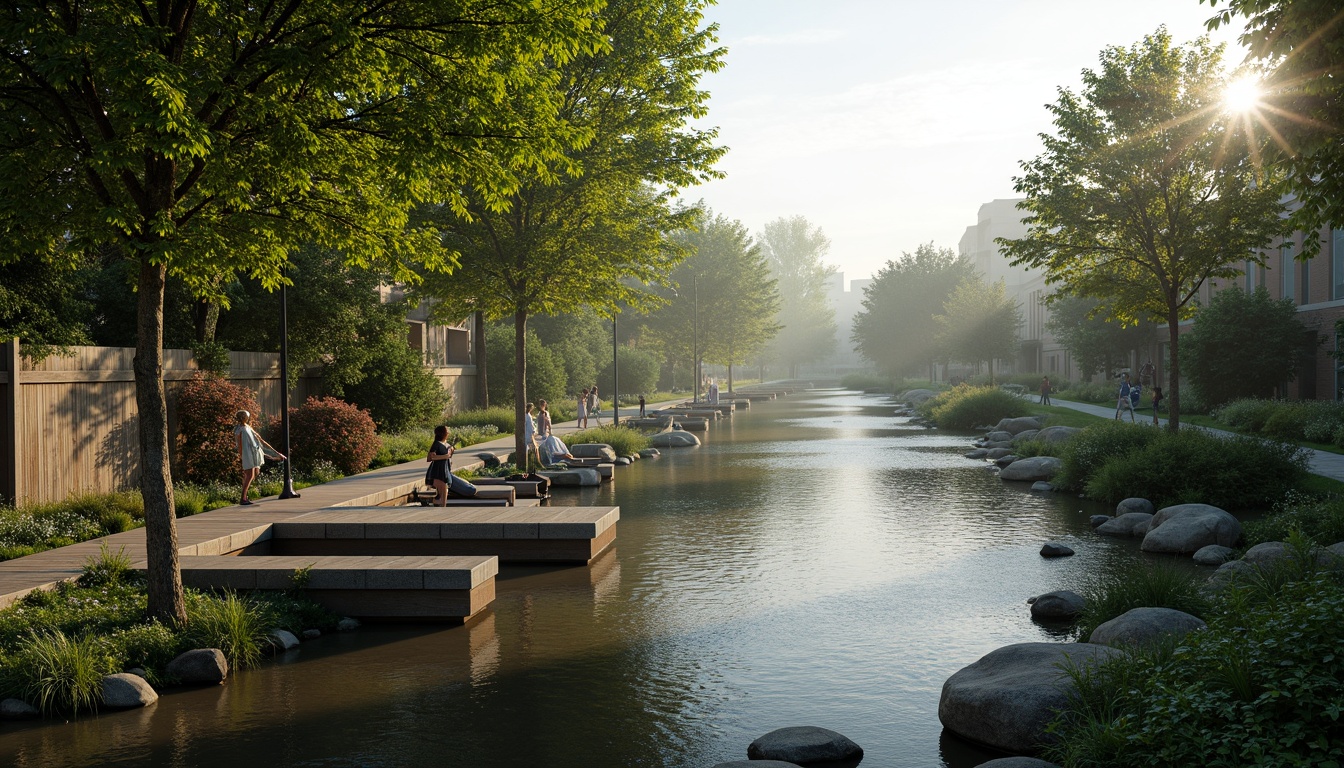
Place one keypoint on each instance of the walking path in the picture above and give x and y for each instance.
(1321, 463)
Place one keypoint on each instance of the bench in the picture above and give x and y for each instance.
(452, 588)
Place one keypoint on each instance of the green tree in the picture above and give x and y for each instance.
(896, 329)
(979, 323)
(1300, 44)
(545, 370)
(794, 249)
(1142, 195)
(582, 342)
(1096, 341)
(638, 371)
(43, 304)
(202, 139)
(592, 235)
(1243, 345)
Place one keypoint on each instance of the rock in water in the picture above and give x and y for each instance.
(1134, 505)
(1032, 469)
(1214, 555)
(1054, 606)
(1124, 525)
(1145, 626)
(1186, 528)
(203, 666)
(803, 744)
(125, 691)
(1055, 549)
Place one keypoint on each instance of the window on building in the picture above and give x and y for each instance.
(1250, 276)
(1306, 282)
(1337, 263)
(1288, 271)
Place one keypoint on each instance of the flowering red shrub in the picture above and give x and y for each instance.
(206, 450)
(333, 430)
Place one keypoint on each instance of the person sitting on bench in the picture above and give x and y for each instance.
(440, 473)
(554, 450)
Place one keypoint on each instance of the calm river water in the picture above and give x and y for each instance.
(817, 562)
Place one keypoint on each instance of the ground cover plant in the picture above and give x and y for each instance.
(968, 407)
(1320, 521)
(1160, 585)
(623, 440)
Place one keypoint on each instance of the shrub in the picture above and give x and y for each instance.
(55, 673)
(401, 447)
(1193, 466)
(1247, 414)
(206, 448)
(1287, 422)
(967, 407)
(189, 499)
(236, 626)
(398, 391)
(332, 430)
(147, 646)
(1319, 521)
(501, 416)
(623, 440)
(1095, 392)
(1090, 449)
(1147, 586)
(107, 567)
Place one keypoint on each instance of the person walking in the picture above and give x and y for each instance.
(543, 421)
(641, 406)
(595, 405)
(1045, 390)
(1128, 398)
(252, 451)
(582, 419)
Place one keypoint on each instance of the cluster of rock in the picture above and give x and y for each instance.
(998, 446)
(200, 666)
(800, 746)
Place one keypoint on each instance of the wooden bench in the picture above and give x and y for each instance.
(486, 496)
(452, 588)
(514, 534)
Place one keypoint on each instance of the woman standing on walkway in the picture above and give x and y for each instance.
(543, 421)
(595, 405)
(529, 436)
(583, 409)
(252, 450)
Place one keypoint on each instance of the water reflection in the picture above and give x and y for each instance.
(817, 560)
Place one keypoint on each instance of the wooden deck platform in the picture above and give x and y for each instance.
(514, 534)
(401, 587)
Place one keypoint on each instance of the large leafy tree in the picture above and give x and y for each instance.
(43, 304)
(795, 251)
(1244, 345)
(1299, 44)
(1145, 191)
(1096, 341)
(595, 233)
(979, 323)
(896, 329)
(202, 138)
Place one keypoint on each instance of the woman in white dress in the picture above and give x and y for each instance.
(252, 450)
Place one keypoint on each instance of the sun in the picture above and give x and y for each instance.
(1242, 95)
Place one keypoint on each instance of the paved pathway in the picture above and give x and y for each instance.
(1321, 463)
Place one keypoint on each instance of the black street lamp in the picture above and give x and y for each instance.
(615, 378)
(695, 337)
(288, 491)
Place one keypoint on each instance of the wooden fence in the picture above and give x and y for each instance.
(69, 423)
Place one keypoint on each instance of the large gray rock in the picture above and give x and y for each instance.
(1185, 528)
(1231, 572)
(1145, 626)
(757, 764)
(1017, 762)
(1055, 549)
(998, 453)
(1032, 469)
(1000, 444)
(578, 476)
(17, 709)
(676, 438)
(203, 666)
(1054, 606)
(999, 436)
(1332, 557)
(1056, 435)
(978, 453)
(593, 451)
(1135, 505)
(284, 639)
(1005, 699)
(802, 745)
(1025, 435)
(125, 691)
(1017, 425)
(1267, 553)
(1125, 524)
(1098, 520)
(917, 396)
(1214, 555)
(1003, 461)
(649, 453)
(1041, 485)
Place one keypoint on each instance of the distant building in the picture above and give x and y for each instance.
(846, 304)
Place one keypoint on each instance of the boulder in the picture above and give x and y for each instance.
(1231, 572)
(649, 453)
(1017, 425)
(346, 624)
(1000, 444)
(757, 764)
(125, 691)
(1053, 606)
(284, 639)
(978, 453)
(994, 454)
(1017, 762)
(16, 709)
(1005, 699)
(1055, 435)
(1214, 555)
(1185, 528)
(205, 666)
(917, 396)
(999, 436)
(802, 745)
(1032, 469)
(1124, 525)
(1025, 435)
(573, 477)
(311, 634)
(1041, 485)
(1332, 557)
(674, 439)
(1267, 553)
(1141, 529)
(1097, 520)
(1004, 461)
(1055, 549)
(1145, 626)
(593, 451)
(622, 461)
(1135, 505)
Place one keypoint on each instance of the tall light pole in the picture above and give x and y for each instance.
(615, 377)
(288, 491)
(695, 337)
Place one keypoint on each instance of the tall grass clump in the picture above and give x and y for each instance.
(623, 440)
(107, 567)
(1321, 521)
(501, 416)
(967, 407)
(237, 626)
(1159, 585)
(56, 673)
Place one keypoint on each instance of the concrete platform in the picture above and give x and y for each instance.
(514, 534)
(380, 587)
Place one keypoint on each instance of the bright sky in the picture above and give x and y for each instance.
(889, 122)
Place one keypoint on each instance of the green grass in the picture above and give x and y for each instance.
(1159, 585)
(235, 625)
(57, 674)
(623, 440)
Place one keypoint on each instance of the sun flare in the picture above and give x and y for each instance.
(1242, 95)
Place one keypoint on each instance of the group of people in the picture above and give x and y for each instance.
(1127, 398)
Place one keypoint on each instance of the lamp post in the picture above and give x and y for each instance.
(288, 491)
(615, 377)
(695, 338)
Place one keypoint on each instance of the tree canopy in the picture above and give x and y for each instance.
(204, 139)
(1097, 342)
(896, 329)
(979, 323)
(795, 251)
(1244, 345)
(1146, 190)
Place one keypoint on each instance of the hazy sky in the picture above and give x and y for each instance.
(889, 122)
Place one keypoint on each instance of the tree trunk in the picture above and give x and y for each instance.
(1174, 371)
(730, 378)
(166, 602)
(478, 338)
(205, 316)
(520, 389)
